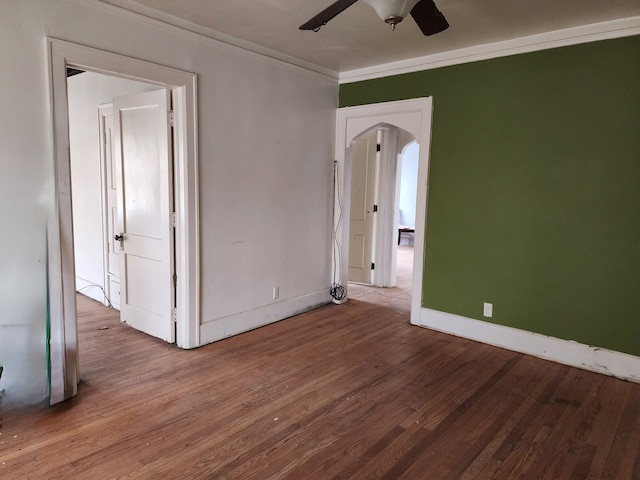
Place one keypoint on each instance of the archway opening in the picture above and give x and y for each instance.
(403, 122)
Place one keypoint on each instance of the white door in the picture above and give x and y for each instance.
(362, 218)
(142, 134)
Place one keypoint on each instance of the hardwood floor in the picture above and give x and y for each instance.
(345, 391)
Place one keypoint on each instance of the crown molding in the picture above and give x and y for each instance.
(559, 38)
(197, 32)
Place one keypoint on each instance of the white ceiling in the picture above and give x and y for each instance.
(357, 38)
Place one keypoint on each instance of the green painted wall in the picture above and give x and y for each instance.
(534, 195)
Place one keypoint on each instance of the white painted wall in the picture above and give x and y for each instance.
(85, 93)
(409, 185)
(266, 133)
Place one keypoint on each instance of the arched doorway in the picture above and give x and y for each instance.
(375, 157)
(406, 120)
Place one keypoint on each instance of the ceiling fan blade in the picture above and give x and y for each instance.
(429, 18)
(327, 14)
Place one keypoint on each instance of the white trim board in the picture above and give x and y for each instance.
(250, 319)
(567, 352)
(560, 38)
(160, 19)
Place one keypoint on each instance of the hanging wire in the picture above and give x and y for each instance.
(338, 292)
(103, 293)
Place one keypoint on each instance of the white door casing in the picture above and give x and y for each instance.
(142, 156)
(110, 207)
(414, 117)
(392, 141)
(64, 372)
(361, 217)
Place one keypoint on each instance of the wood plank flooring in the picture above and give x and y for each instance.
(346, 391)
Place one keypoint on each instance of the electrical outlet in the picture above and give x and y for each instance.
(488, 310)
(276, 292)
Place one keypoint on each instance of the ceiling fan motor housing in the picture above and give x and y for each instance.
(424, 12)
(392, 11)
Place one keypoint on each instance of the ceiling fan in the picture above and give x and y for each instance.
(424, 13)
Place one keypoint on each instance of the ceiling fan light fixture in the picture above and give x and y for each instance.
(392, 11)
(424, 12)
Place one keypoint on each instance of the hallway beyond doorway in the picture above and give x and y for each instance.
(398, 296)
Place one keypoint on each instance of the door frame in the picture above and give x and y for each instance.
(62, 323)
(413, 116)
(104, 111)
(393, 142)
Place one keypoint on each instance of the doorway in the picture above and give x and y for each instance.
(383, 182)
(93, 181)
(122, 199)
(407, 120)
(64, 374)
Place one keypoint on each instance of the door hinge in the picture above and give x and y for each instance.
(375, 208)
(174, 315)
(378, 147)
(172, 118)
(373, 266)
(172, 220)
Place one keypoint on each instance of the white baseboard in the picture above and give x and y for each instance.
(567, 352)
(236, 323)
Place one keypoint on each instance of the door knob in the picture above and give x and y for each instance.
(120, 238)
